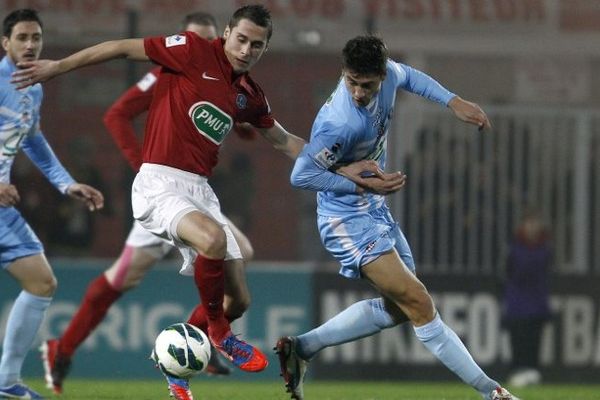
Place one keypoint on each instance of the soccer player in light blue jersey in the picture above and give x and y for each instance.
(21, 253)
(355, 224)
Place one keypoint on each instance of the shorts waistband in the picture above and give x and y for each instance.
(175, 172)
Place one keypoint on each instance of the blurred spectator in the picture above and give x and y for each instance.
(233, 182)
(526, 297)
(73, 229)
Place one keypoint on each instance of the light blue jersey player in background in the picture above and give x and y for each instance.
(21, 253)
(355, 224)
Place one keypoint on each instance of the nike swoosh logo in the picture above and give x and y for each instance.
(210, 78)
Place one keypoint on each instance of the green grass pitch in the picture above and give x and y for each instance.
(227, 389)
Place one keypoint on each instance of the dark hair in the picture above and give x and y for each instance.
(200, 18)
(255, 13)
(365, 55)
(24, 14)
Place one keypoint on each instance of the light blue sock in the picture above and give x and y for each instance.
(22, 327)
(361, 319)
(447, 347)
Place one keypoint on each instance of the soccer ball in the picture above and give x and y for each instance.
(181, 350)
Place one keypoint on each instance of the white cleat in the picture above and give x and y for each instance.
(502, 394)
(293, 368)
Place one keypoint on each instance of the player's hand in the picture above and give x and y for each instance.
(32, 72)
(469, 112)
(93, 199)
(9, 196)
(384, 185)
(359, 170)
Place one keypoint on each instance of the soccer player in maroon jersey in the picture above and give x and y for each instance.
(203, 88)
(142, 248)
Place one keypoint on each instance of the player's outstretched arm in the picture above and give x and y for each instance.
(93, 198)
(469, 112)
(284, 141)
(32, 72)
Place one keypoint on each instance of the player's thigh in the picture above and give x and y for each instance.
(130, 267)
(34, 274)
(141, 251)
(395, 281)
(242, 241)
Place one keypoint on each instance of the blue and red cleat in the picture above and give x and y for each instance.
(179, 388)
(243, 355)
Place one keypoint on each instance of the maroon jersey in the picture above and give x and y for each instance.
(197, 99)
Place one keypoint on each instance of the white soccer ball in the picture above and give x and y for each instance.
(181, 350)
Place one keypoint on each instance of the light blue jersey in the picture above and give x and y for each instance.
(20, 128)
(352, 225)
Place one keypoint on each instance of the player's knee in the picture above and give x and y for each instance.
(45, 287)
(214, 243)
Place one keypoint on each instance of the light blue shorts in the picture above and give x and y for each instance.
(17, 239)
(357, 238)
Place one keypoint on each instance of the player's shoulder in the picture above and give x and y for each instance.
(252, 87)
(395, 70)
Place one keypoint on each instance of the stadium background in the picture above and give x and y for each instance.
(529, 63)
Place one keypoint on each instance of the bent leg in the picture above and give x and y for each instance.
(361, 319)
(207, 237)
(392, 278)
(125, 273)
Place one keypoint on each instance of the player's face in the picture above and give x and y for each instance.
(362, 87)
(208, 32)
(245, 43)
(24, 43)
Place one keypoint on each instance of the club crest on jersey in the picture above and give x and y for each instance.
(328, 157)
(174, 40)
(241, 101)
(212, 122)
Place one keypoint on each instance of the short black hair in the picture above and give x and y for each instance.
(365, 55)
(24, 14)
(199, 18)
(256, 13)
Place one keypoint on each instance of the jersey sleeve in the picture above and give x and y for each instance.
(174, 52)
(313, 168)
(420, 83)
(118, 119)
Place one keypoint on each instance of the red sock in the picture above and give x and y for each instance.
(199, 320)
(209, 278)
(96, 302)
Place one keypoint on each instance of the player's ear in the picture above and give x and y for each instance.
(226, 32)
(5, 40)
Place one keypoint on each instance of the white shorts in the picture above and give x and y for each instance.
(162, 195)
(141, 238)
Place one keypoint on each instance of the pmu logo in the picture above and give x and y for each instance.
(211, 121)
